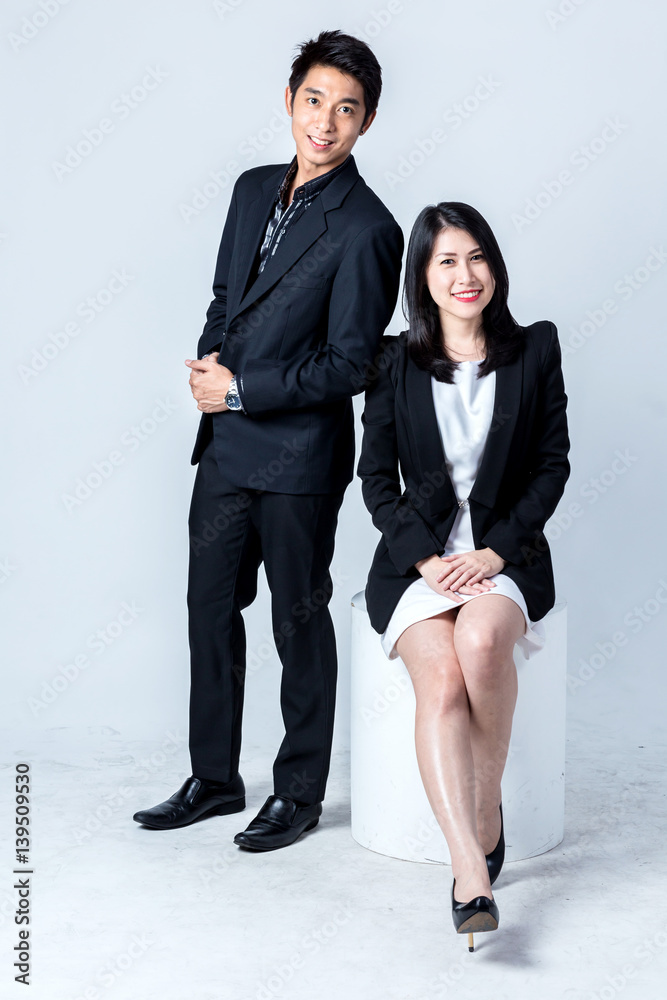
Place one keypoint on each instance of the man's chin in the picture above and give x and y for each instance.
(320, 158)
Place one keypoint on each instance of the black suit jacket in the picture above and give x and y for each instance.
(521, 478)
(301, 335)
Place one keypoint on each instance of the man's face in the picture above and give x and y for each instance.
(327, 116)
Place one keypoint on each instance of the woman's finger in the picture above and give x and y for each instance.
(461, 576)
(448, 581)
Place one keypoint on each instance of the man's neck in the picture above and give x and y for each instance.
(308, 172)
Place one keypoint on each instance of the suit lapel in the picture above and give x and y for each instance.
(427, 442)
(306, 231)
(254, 228)
(298, 239)
(509, 382)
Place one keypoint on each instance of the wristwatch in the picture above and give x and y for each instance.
(232, 399)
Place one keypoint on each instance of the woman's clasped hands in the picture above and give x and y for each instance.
(465, 573)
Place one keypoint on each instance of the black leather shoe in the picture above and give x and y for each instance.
(195, 799)
(278, 823)
(479, 914)
(494, 860)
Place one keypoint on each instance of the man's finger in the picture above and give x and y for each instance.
(201, 364)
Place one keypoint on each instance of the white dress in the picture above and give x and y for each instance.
(464, 411)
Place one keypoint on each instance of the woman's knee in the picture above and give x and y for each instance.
(479, 639)
(439, 688)
(483, 646)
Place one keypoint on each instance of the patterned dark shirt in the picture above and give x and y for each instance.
(285, 216)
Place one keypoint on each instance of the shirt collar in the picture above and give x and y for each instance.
(310, 188)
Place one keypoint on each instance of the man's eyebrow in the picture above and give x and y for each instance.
(344, 100)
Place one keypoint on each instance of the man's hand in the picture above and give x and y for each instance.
(209, 382)
(470, 568)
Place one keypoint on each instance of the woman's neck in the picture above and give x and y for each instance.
(463, 339)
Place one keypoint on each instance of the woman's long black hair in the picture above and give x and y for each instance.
(502, 334)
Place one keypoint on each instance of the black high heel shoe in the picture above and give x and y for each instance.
(494, 860)
(479, 914)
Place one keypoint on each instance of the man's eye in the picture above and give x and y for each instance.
(345, 108)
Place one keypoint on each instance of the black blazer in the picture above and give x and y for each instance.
(301, 335)
(521, 478)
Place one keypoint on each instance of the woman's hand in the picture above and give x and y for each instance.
(431, 569)
(469, 569)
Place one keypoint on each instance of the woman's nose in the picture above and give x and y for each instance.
(464, 273)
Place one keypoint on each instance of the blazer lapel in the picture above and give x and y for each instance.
(254, 228)
(509, 382)
(306, 231)
(426, 439)
(427, 442)
(298, 239)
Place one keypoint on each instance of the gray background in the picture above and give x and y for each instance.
(144, 202)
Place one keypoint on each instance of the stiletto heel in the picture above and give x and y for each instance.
(479, 914)
(494, 860)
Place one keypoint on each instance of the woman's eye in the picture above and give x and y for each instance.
(477, 256)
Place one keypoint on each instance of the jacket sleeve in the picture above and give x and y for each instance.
(363, 296)
(514, 538)
(216, 315)
(405, 532)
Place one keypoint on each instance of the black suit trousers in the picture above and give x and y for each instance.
(232, 530)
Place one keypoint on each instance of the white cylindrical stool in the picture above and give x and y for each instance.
(390, 811)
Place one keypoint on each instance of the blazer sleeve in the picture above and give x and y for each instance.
(363, 297)
(514, 537)
(405, 532)
(216, 315)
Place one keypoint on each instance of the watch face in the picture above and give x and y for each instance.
(233, 402)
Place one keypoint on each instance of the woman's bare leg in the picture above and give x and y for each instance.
(443, 743)
(485, 633)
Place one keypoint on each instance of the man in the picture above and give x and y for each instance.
(305, 284)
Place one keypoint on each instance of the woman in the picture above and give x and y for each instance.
(471, 407)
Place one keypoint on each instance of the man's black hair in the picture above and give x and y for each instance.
(345, 53)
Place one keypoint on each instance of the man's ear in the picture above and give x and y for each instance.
(289, 101)
(369, 121)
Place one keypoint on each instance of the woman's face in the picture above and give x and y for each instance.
(458, 276)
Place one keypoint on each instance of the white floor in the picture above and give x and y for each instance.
(124, 912)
